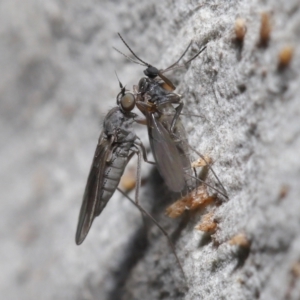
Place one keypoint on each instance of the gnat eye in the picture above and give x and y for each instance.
(127, 102)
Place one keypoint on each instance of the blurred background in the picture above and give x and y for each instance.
(57, 84)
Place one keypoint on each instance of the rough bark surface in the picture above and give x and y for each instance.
(57, 83)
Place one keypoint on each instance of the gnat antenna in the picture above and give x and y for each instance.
(145, 64)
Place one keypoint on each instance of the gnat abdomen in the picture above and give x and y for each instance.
(113, 173)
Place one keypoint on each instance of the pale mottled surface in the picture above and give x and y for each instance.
(57, 83)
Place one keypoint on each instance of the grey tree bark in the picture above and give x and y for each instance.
(58, 82)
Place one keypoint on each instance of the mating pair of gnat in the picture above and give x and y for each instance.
(117, 144)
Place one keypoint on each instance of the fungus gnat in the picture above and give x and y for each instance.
(155, 98)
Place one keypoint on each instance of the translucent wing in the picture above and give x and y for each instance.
(166, 154)
(92, 191)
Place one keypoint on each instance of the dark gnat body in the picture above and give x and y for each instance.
(116, 121)
(168, 138)
(115, 145)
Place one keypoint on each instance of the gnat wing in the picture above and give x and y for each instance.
(166, 154)
(91, 195)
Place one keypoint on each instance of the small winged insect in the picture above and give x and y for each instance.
(116, 146)
(168, 139)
